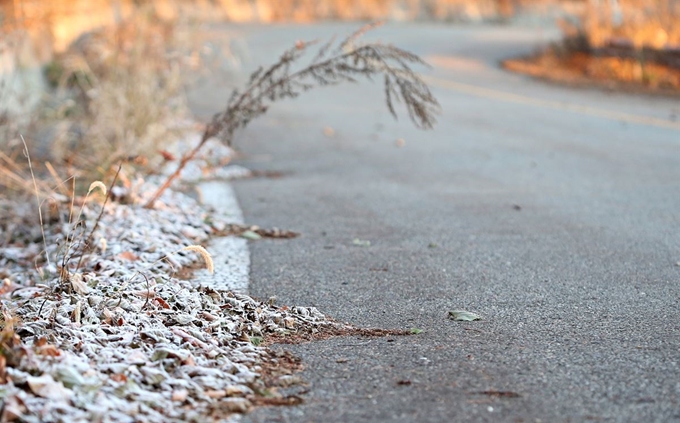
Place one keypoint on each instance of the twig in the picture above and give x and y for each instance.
(148, 292)
(37, 197)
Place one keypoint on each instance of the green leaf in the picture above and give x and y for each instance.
(361, 242)
(160, 354)
(69, 376)
(463, 316)
(256, 340)
(251, 235)
(415, 331)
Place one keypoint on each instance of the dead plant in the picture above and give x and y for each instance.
(333, 64)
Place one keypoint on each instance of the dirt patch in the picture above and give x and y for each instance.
(327, 332)
(269, 174)
(279, 384)
(253, 232)
(613, 68)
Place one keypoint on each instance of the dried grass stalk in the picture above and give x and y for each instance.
(334, 63)
(205, 255)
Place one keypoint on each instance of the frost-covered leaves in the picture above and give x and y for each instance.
(152, 348)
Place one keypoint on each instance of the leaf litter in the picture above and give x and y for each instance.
(464, 316)
(121, 338)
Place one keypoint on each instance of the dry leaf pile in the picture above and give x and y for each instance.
(121, 339)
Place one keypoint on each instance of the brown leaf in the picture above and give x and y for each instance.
(3, 370)
(13, 409)
(48, 350)
(6, 285)
(46, 387)
(500, 394)
(289, 400)
(127, 255)
(161, 302)
(216, 394)
(167, 156)
(180, 395)
(119, 378)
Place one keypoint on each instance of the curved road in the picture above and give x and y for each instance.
(552, 212)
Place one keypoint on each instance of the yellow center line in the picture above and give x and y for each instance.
(557, 105)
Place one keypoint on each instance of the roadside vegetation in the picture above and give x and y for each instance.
(619, 44)
(99, 314)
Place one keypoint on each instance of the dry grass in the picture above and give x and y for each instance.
(639, 24)
(205, 255)
(630, 45)
(116, 93)
(333, 63)
(126, 91)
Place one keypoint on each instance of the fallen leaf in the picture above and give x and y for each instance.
(251, 235)
(161, 302)
(49, 388)
(79, 286)
(404, 382)
(216, 394)
(3, 370)
(119, 377)
(6, 285)
(14, 409)
(180, 395)
(361, 242)
(48, 350)
(167, 156)
(127, 255)
(136, 357)
(69, 376)
(145, 293)
(503, 394)
(464, 316)
(236, 405)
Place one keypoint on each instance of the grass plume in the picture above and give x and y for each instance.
(333, 64)
(205, 255)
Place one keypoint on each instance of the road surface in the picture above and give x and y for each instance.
(552, 212)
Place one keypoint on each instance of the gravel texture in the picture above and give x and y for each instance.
(140, 331)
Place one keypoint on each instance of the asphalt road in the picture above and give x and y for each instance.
(553, 212)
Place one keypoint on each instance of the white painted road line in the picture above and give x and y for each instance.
(230, 254)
